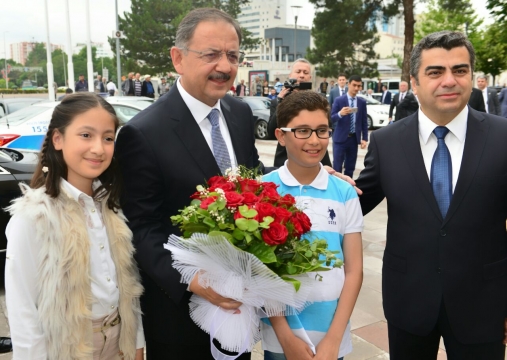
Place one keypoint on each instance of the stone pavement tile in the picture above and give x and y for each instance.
(380, 357)
(375, 334)
(362, 350)
(373, 247)
(257, 353)
(361, 318)
(372, 280)
(374, 234)
(372, 263)
(370, 301)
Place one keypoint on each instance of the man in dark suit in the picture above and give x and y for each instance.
(301, 70)
(241, 88)
(386, 95)
(444, 178)
(147, 88)
(503, 102)
(476, 100)
(349, 118)
(165, 152)
(339, 90)
(489, 94)
(404, 102)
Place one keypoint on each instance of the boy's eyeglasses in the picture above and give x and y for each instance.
(306, 133)
(214, 56)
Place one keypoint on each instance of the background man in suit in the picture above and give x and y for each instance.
(194, 132)
(302, 71)
(349, 117)
(386, 95)
(339, 90)
(476, 100)
(445, 262)
(405, 103)
(324, 87)
(489, 94)
(241, 88)
(503, 102)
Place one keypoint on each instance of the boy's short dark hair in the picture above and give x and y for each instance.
(297, 101)
(355, 78)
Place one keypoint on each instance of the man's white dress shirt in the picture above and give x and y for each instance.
(200, 112)
(455, 141)
(21, 272)
(485, 96)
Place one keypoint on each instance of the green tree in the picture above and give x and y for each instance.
(498, 8)
(491, 51)
(37, 56)
(443, 15)
(352, 51)
(150, 30)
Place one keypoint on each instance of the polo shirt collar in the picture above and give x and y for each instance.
(320, 182)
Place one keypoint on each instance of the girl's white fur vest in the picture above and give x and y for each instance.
(65, 297)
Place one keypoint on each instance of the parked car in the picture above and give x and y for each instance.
(15, 166)
(26, 128)
(12, 104)
(260, 109)
(378, 113)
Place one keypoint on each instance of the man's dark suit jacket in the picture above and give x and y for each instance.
(334, 93)
(342, 124)
(476, 100)
(163, 157)
(407, 107)
(461, 259)
(238, 89)
(493, 103)
(144, 90)
(387, 98)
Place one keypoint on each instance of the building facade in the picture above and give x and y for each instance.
(20, 51)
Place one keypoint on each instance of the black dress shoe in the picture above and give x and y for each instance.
(5, 345)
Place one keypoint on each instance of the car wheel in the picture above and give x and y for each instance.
(370, 123)
(261, 129)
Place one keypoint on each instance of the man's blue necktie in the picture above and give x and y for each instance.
(441, 171)
(352, 117)
(219, 147)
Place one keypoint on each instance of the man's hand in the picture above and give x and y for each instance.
(345, 111)
(283, 92)
(327, 349)
(505, 332)
(363, 144)
(296, 349)
(213, 297)
(346, 178)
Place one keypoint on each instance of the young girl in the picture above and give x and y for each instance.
(72, 286)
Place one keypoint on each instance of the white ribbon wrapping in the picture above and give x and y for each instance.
(239, 275)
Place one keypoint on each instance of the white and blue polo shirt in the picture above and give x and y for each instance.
(334, 210)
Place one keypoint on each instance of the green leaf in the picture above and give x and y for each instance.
(196, 228)
(238, 234)
(210, 222)
(196, 202)
(227, 236)
(263, 252)
(200, 188)
(248, 238)
(313, 247)
(294, 282)
(266, 221)
(308, 253)
(220, 203)
(291, 269)
(246, 212)
(252, 225)
(242, 224)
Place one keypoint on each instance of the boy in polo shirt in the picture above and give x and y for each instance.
(321, 330)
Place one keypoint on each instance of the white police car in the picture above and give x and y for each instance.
(26, 128)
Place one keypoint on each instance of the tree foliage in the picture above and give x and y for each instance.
(498, 8)
(449, 15)
(344, 35)
(491, 50)
(150, 30)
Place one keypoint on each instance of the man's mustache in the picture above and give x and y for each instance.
(219, 76)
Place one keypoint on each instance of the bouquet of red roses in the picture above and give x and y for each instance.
(246, 241)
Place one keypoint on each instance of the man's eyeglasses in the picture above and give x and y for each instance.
(214, 56)
(306, 133)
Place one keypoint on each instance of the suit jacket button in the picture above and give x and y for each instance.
(443, 233)
(439, 270)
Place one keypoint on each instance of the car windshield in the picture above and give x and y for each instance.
(15, 106)
(23, 115)
(257, 104)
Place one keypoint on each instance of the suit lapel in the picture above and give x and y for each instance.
(412, 147)
(477, 132)
(191, 135)
(234, 130)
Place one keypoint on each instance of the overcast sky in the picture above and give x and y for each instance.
(24, 20)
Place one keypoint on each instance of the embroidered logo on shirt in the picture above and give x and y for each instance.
(331, 216)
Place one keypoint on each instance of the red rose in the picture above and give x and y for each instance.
(269, 185)
(207, 202)
(196, 195)
(249, 185)
(233, 199)
(287, 200)
(276, 234)
(225, 186)
(263, 210)
(270, 194)
(250, 198)
(298, 229)
(282, 215)
(216, 180)
(304, 220)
